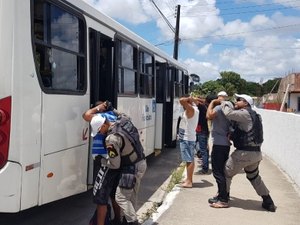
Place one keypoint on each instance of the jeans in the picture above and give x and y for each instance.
(202, 138)
(219, 156)
(187, 150)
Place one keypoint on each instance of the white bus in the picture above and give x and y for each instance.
(57, 58)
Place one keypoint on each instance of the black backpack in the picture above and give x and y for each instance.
(257, 128)
(124, 125)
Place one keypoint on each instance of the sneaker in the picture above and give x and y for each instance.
(219, 204)
(216, 198)
(268, 203)
(213, 199)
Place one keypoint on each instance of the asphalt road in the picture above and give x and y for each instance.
(77, 210)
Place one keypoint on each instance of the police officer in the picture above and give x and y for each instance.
(125, 152)
(247, 137)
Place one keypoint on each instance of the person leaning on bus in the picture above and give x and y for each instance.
(98, 148)
(110, 176)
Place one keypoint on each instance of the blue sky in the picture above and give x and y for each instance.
(259, 39)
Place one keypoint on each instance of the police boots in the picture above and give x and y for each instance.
(268, 203)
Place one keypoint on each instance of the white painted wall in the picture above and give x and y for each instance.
(294, 101)
(282, 141)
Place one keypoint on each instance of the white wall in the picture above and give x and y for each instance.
(282, 141)
(294, 101)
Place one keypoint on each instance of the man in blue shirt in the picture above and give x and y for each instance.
(108, 177)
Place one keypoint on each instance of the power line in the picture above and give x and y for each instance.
(244, 12)
(163, 16)
(198, 10)
(232, 34)
(245, 1)
(245, 32)
(253, 46)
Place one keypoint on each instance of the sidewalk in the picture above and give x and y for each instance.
(190, 206)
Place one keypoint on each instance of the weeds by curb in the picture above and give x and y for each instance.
(174, 179)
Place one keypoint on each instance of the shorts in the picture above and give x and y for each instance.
(187, 149)
(108, 187)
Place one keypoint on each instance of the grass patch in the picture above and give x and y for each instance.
(176, 177)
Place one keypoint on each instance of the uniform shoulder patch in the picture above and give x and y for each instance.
(112, 153)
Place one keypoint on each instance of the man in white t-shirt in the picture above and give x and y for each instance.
(187, 136)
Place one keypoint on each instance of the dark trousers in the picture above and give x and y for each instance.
(219, 156)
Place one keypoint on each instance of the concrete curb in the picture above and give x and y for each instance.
(153, 202)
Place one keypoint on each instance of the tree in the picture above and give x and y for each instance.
(253, 89)
(212, 87)
(229, 78)
(271, 86)
(232, 83)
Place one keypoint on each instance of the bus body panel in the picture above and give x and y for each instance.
(10, 192)
(142, 113)
(64, 174)
(26, 107)
(63, 126)
(99, 27)
(6, 43)
(64, 138)
(20, 78)
(159, 127)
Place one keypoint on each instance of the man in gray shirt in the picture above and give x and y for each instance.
(220, 149)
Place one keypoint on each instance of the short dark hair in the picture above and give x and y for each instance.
(210, 97)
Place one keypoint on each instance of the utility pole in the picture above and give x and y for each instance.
(176, 39)
(176, 30)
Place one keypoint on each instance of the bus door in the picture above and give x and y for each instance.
(160, 116)
(102, 83)
(170, 136)
(164, 100)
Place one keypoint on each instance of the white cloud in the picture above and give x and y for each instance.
(126, 10)
(265, 45)
(206, 70)
(204, 50)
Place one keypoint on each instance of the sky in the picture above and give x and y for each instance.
(258, 39)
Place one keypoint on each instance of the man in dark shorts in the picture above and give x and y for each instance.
(105, 180)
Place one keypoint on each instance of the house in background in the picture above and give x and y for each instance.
(271, 101)
(289, 92)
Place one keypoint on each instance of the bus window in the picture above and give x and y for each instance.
(185, 84)
(169, 84)
(59, 49)
(179, 84)
(160, 81)
(146, 74)
(127, 71)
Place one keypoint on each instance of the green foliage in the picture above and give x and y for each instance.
(271, 86)
(253, 89)
(176, 177)
(232, 83)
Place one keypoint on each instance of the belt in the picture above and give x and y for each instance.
(250, 148)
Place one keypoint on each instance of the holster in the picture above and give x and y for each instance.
(128, 178)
